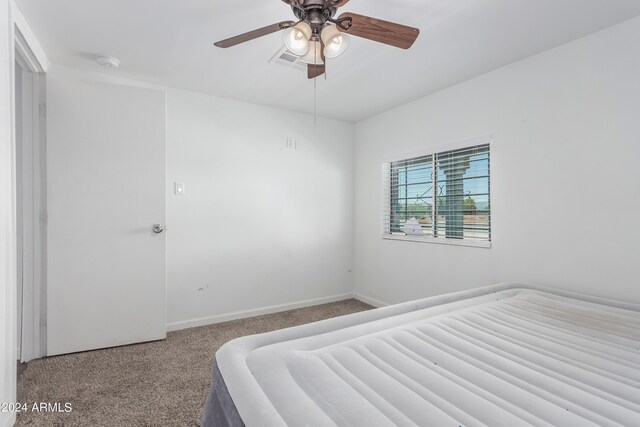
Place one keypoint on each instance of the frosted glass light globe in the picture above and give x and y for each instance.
(314, 54)
(335, 43)
(296, 38)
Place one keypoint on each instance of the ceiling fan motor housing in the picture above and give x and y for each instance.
(315, 12)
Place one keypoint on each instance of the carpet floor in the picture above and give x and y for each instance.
(162, 383)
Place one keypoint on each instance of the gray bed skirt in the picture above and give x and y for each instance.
(220, 411)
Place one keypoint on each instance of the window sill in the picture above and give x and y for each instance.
(453, 242)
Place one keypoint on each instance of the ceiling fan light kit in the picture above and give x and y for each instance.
(318, 34)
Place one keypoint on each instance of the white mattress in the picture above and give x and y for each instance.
(495, 356)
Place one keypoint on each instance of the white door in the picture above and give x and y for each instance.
(105, 191)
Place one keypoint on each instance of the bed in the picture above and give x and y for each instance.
(503, 355)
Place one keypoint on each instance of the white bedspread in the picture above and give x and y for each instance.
(496, 356)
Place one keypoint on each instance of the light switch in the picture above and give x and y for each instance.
(291, 143)
(178, 188)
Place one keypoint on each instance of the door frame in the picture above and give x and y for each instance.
(30, 140)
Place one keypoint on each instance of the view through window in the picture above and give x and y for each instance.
(442, 195)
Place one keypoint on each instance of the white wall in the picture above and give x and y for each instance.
(260, 225)
(565, 176)
(7, 234)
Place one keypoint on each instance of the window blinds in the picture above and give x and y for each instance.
(439, 196)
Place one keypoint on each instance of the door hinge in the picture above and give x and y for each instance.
(44, 215)
(42, 110)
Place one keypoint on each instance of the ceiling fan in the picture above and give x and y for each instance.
(317, 35)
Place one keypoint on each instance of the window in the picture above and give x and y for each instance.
(440, 196)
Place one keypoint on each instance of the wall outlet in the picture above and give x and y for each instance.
(178, 188)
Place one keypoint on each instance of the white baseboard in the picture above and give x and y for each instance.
(219, 318)
(371, 301)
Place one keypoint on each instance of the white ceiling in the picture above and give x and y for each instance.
(169, 42)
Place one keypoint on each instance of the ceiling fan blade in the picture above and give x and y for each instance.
(314, 71)
(338, 3)
(380, 31)
(254, 34)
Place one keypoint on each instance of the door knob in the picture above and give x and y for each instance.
(158, 228)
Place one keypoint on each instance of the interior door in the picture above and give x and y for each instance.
(106, 190)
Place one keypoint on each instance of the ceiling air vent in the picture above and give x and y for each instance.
(290, 60)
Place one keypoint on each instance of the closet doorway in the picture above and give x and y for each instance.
(31, 214)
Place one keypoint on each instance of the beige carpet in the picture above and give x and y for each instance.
(163, 383)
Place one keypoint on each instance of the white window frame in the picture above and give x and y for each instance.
(386, 190)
